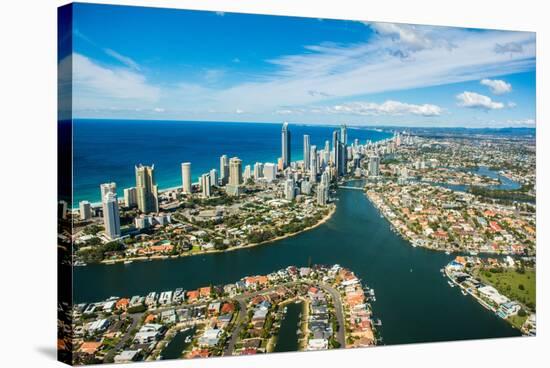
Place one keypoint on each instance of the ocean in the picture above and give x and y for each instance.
(107, 150)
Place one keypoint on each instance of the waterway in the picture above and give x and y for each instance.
(413, 299)
(505, 183)
(177, 345)
(288, 338)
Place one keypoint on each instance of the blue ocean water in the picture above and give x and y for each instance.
(108, 150)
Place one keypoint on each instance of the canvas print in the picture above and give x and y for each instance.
(237, 184)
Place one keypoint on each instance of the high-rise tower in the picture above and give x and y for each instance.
(111, 217)
(285, 146)
(186, 177)
(307, 156)
(146, 189)
(224, 169)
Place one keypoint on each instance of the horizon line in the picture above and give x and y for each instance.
(387, 126)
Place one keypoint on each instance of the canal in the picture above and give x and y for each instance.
(413, 299)
(178, 344)
(288, 337)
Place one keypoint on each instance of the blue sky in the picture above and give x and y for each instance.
(150, 63)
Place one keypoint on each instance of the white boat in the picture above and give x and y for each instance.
(447, 252)
(127, 262)
(463, 292)
(473, 253)
(451, 284)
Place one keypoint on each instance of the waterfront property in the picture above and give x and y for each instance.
(234, 319)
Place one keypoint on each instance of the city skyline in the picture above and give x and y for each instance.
(324, 75)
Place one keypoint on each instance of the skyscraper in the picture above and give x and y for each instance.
(313, 162)
(214, 180)
(322, 194)
(235, 177)
(247, 173)
(111, 217)
(85, 210)
(343, 156)
(307, 162)
(270, 171)
(374, 165)
(289, 189)
(205, 185)
(285, 146)
(107, 188)
(258, 170)
(224, 169)
(337, 152)
(186, 177)
(130, 197)
(146, 189)
(344, 134)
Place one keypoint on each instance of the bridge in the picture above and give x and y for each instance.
(353, 188)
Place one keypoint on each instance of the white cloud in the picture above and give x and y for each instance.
(158, 109)
(343, 71)
(96, 86)
(239, 111)
(511, 104)
(412, 38)
(390, 107)
(398, 57)
(508, 47)
(364, 108)
(497, 86)
(123, 59)
(477, 101)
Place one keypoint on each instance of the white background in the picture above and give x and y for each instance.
(28, 179)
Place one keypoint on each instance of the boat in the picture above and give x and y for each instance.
(187, 339)
(473, 253)
(128, 262)
(463, 292)
(451, 284)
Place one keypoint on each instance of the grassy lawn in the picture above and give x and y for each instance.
(517, 321)
(515, 285)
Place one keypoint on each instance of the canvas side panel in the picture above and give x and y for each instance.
(64, 186)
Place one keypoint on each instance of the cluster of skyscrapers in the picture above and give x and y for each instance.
(144, 196)
(318, 169)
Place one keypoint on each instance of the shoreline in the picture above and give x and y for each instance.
(479, 300)
(164, 257)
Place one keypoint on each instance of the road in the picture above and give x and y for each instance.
(341, 333)
(109, 357)
(236, 329)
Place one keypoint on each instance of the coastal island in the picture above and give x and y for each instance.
(292, 309)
